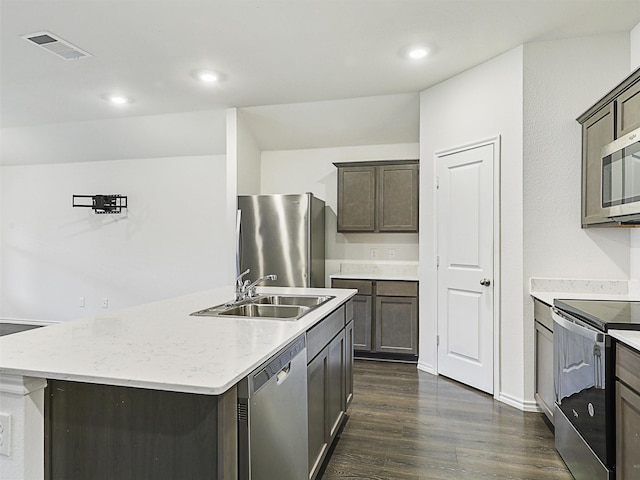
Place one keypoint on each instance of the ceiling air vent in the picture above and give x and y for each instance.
(56, 45)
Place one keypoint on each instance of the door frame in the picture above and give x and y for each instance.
(497, 222)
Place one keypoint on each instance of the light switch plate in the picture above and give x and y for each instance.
(5, 434)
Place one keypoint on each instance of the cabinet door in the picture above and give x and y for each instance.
(396, 321)
(628, 110)
(362, 323)
(596, 133)
(397, 208)
(348, 364)
(544, 370)
(356, 199)
(627, 433)
(317, 386)
(336, 383)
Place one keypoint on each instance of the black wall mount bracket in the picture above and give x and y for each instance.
(101, 203)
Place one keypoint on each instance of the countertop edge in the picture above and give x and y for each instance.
(630, 338)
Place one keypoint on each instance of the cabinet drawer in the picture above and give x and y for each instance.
(628, 366)
(320, 335)
(397, 288)
(364, 287)
(542, 314)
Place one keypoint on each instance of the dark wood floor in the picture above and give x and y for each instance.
(406, 424)
(9, 328)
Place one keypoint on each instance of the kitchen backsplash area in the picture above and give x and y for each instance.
(566, 285)
(380, 268)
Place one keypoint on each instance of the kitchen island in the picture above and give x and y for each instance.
(150, 348)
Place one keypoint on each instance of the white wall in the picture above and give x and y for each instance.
(562, 79)
(634, 48)
(171, 135)
(312, 170)
(165, 244)
(480, 103)
(248, 158)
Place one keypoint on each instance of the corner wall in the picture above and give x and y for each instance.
(480, 103)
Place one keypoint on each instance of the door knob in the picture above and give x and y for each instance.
(485, 282)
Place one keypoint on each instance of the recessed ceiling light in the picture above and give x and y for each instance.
(417, 53)
(207, 76)
(117, 99)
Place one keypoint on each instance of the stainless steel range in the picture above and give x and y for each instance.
(584, 382)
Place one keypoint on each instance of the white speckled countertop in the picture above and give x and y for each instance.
(159, 345)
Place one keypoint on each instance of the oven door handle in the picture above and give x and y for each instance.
(583, 331)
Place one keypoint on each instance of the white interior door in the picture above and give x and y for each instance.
(465, 204)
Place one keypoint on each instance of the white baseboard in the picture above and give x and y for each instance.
(425, 367)
(524, 405)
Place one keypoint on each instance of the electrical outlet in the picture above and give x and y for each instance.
(392, 253)
(5, 434)
(81, 302)
(105, 303)
(374, 253)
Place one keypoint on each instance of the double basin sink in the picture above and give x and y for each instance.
(270, 307)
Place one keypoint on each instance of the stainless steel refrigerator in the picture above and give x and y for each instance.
(283, 234)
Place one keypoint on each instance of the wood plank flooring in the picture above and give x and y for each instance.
(407, 424)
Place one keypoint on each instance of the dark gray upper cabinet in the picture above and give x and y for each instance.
(614, 115)
(628, 110)
(597, 132)
(356, 199)
(379, 196)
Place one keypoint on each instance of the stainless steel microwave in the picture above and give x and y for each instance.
(620, 185)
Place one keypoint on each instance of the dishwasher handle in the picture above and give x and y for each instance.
(282, 375)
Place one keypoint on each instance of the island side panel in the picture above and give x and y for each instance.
(106, 432)
(22, 400)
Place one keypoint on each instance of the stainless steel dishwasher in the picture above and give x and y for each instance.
(272, 418)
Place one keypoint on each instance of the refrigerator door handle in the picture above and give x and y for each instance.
(238, 242)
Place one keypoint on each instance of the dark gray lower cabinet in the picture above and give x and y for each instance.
(397, 325)
(385, 316)
(348, 359)
(329, 381)
(317, 386)
(627, 413)
(362, 309)
(544, 389)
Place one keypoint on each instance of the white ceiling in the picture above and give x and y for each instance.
(271, 53)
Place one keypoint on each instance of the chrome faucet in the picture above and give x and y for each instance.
(241, 286)
(245, 289)
(250, 291)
